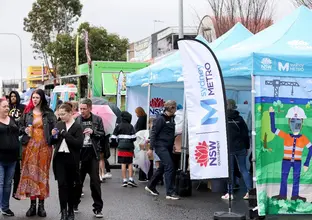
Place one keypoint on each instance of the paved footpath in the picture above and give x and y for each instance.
(135, 204)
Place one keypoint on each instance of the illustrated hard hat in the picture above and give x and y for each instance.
(296, 112)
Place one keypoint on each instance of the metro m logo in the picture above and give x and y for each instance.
(208, 119)
(283, 68)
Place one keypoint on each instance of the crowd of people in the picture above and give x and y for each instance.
(73, 139)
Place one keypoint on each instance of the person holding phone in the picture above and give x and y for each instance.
(67, 138)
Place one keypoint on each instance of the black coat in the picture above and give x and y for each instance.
(98, 133)
(238, 132)
(74, 140)
(17, 109)
(141, 123)
(49, 121)
(163, 132)
(124, 134)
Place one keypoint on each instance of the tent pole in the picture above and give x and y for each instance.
(148, 105)
(253, 132)
(184, 133)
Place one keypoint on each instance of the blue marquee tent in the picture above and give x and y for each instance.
(169, 69)
(283, 49)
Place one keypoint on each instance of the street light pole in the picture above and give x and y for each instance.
(21, 55)
(181, 33)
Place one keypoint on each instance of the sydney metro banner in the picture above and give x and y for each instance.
(205, 105)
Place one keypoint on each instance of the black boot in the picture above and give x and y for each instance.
(71, 215)
(32, 210)
(41, 211)
(64, 214)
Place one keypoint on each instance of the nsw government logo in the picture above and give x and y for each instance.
(208, 154)
(156, 106)
(266, 64)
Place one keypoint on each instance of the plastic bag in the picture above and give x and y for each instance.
(179, 122)
(141, 137)
(141, 159)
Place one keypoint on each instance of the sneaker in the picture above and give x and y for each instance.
(132, 183)
(76, 209)
(125, 184)
(143, 181)
(7, 212)
(246, 197)
(98, 214)
(227, 197)
(82, 194)
(172, 197)
(154, 192)
(107, 176)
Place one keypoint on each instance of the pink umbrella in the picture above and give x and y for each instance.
(108, 116)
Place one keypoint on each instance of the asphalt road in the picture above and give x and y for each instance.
(136, 204)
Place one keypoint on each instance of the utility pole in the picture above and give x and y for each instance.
(181, 32)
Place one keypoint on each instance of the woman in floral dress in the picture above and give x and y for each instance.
(36, 125)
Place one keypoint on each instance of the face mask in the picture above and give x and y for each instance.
(295, 125)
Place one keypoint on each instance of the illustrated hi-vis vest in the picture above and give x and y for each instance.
(293, 145)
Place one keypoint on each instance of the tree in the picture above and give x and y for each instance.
(102, 46)
(266, 133)
(279, 105)
(255, 15)
(46, 20)
(307, 3)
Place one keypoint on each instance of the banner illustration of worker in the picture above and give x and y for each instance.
(283, 145)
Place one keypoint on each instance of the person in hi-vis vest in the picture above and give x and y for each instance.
(294, 144)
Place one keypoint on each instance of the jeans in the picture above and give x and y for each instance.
(91, 167)
(7, 170)
(240, 157)
(166, 167)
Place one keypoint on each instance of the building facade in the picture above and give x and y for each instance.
(158, 44)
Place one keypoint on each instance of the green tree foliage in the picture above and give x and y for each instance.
(102, 46)
(46, 20)
(266, 133)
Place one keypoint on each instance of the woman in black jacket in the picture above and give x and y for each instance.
(35, 126)
(67, 138)
(139, 126)
(239, 144)
(9, 149)
(142, 119)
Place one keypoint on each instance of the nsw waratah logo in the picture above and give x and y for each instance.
(206, 155)
(156, 106)
(266, 64)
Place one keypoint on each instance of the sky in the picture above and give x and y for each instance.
(133, 19)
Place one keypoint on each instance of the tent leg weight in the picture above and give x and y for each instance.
(228, 216)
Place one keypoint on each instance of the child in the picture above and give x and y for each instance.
(123, 137)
